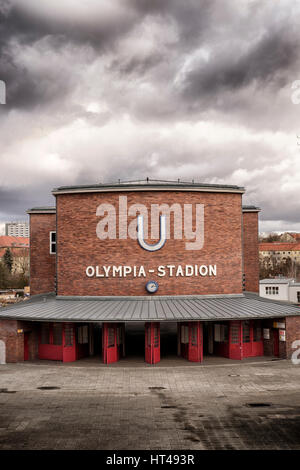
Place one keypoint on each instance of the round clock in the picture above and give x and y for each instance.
(152, 286)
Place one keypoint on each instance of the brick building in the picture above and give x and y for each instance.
(19, 248)
(154, 252)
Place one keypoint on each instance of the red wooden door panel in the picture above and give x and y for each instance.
(109, 343)
(26, 346)
(51, 341)
(152, 342)
(195, 353)
(235, 340)
(69, 344)
(247, 337)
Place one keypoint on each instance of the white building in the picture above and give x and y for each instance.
(280, 289)
(17, 229)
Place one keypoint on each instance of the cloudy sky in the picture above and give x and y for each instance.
(102, 90)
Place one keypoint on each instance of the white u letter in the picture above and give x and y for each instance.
(140, 229)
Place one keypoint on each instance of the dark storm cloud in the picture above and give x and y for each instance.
(21, 27)
(15, 202)
(192, 17)
(98, 91)
(28, 25)
(267, 63)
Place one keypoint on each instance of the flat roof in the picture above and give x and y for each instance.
(276, 281)
(149, 185)
(42, 210)
(170, 308)
(251, 208)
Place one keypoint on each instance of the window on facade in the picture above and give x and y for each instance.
(246, 332)
(184, 334)
(298, 296)
(82, 335)
(110, 337)
(221, 333)
(235, 333)
(45, 333)
(272, 290)
(257, 331)
(52, 243)
(69, 335)
(194, 336)
(57, 334)
(225, 333)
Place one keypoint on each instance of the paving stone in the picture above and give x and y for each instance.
(157, 408)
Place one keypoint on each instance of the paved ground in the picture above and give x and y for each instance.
(171, 407)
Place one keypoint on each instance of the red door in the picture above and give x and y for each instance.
(152, 342)
(235, 340)
(276, 343)
(247, 333)
(195, 353)
(109, 343)
(26, 346)
(69, 344)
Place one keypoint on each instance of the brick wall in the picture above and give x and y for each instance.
(42, 263)
(292, 328)
(79, 247)
(251, 252)
(14, 341)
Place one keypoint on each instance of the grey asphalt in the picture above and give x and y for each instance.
(134, 406)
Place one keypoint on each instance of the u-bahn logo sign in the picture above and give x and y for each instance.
(132, 221)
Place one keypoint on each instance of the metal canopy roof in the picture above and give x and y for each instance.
(122, 309)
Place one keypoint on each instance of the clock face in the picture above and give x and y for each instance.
(152, 286)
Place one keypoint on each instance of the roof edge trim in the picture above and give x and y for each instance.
(42, 210)
(147, 297)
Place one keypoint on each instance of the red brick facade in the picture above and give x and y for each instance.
(250, 248)
(12, 333)
(42, 263)
(78, 246)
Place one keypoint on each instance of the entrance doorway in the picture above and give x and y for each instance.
(113, 342)
(190, 337)
(138, 341)
(152, 342)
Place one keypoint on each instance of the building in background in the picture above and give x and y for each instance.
(17, 229)
(279, 252)
(19, 248)
(285, 289)
(290, 237)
